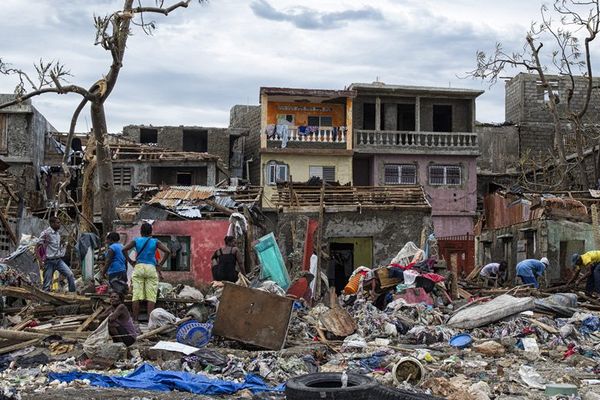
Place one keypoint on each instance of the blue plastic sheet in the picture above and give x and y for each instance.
(146, 377)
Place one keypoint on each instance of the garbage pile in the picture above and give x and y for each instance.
(400, 324)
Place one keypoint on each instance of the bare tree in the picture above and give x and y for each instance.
(112, 32)
(568, 58)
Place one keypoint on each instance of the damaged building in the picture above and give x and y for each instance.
(225, 143)
(519, 226)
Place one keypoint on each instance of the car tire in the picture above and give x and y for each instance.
(321, 386)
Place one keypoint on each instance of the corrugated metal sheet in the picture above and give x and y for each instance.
(183, 193)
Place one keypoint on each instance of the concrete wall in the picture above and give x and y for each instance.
(205, 237)
(461, 111)
(171, 137)
(298, 167)
(389, 230)
(23, 146)
(453, 207)
(248, 117)
(499, 146)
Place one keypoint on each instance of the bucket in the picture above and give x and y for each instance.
(408, 369)
(194, 333)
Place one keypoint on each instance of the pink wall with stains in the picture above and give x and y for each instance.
(205, 237)
(453, 207)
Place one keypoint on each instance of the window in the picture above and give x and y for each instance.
(320, 120)
(276, 173)
(122, 176)
(180, 252)
(442, 118)
(285, 119)
(444, 175)
(195, 140)
(369, 116)
(325, 173)
(543, 93)
(148, 136)
(400, 174)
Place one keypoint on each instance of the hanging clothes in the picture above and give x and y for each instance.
(270, 131)
(283, 133)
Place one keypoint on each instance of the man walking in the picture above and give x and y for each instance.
(50, 252)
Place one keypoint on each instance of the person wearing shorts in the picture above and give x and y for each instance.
(147, 269)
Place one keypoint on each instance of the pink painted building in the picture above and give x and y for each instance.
(195, 242)
(412, 135)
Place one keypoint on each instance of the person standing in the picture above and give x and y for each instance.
(591, 262)
(146, 270)
(50, 252)
(529, 270)
(226, 261)
(114, 264)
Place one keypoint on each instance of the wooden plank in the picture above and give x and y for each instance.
(162, 329)
(19, 346)
(317, 295)
(90, 319)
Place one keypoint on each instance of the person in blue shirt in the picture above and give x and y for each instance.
(114, 264)
(146, 270)
(529, 270)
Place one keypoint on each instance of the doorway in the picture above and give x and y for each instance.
(347, 254)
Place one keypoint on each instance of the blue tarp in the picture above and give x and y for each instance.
(146, 377)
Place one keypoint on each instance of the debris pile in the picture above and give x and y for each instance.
(399, 324)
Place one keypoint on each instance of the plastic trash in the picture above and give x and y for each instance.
(461, 341)
(530, 345)
(531, 377)
(160, 317)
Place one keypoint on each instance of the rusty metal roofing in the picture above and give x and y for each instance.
(175, 195)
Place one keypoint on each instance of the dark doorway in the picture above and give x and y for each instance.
(406, 117)
(361, 171)
(369, 116)
(184, 178)
(442, 118)
(341, 265)
(195, 140)
(148, 136)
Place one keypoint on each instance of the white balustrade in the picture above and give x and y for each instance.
(321, 135)
(432, 140)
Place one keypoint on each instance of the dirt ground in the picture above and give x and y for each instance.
(92, 393)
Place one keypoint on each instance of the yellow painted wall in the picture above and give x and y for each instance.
(299, 164)
(363, 250)
(336, 111)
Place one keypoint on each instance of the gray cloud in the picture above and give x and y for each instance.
(308, 18)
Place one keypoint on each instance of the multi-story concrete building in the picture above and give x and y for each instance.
(407, 135)
(226, 143)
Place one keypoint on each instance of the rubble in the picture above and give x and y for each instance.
(250, 336)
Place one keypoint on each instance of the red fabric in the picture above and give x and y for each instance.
(404, 267)
(433, 277)
(313, 224)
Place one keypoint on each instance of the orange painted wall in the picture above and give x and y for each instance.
(338, 112)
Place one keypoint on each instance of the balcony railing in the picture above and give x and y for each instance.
(416, 140)
(321, 135)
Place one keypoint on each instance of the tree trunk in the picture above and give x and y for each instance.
(87, 200)
(104, 167)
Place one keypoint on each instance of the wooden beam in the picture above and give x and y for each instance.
(90, 319)
(19, 346)
(319, 243)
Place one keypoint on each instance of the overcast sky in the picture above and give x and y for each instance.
(203, 60)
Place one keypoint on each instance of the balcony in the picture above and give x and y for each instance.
(323, 137)
(398, 142)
